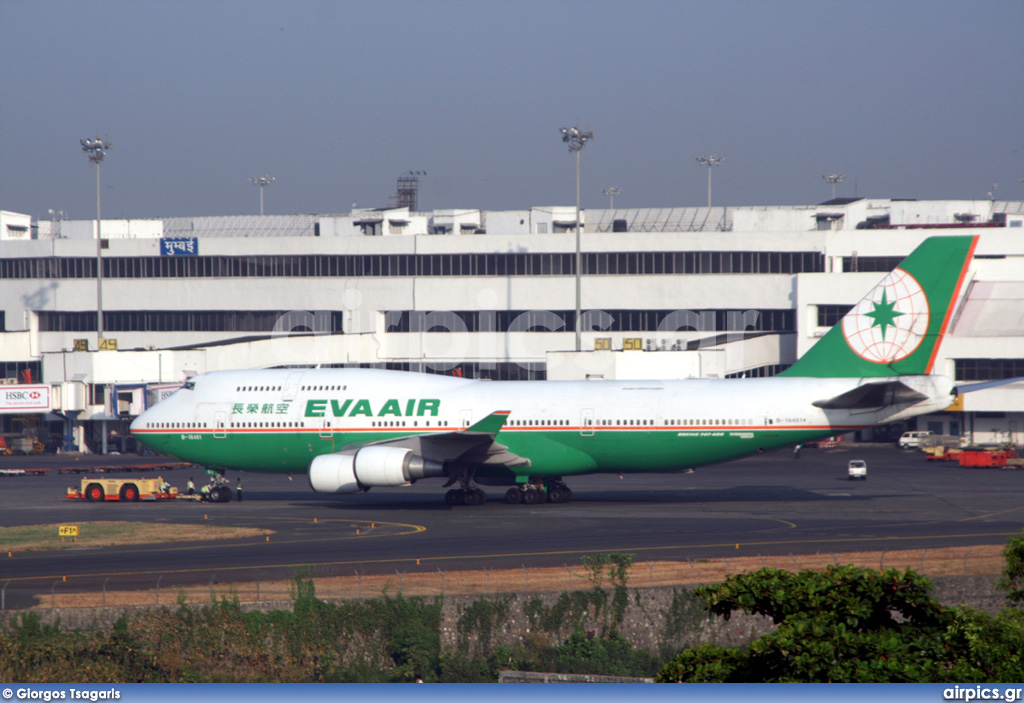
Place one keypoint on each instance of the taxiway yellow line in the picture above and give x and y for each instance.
(520, 555)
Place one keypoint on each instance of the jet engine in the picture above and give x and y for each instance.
(361, 470)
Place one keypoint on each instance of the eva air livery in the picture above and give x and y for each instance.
(352, 430)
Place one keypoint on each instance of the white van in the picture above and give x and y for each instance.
(912, 439)
(858, 468)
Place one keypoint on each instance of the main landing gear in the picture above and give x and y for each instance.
(465, 496)
(468, 494)
(535, 492)
(550, 490)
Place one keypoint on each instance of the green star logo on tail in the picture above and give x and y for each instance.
(884, 314)
(889, 323)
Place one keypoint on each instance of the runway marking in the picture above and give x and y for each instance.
(963, 519)
(244, 541)
(604, 550)
(1001, 512)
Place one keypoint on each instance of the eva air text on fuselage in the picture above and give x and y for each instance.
(393, 407)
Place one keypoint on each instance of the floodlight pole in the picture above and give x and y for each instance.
(261, 181)
(96, 149)
(577, 139)
(710, 161)
(611, 192)
(833, 178)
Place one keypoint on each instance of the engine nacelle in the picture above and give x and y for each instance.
(334, 473)
(383, 466)
(368, 467)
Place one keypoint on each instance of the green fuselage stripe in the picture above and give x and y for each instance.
(561, 451)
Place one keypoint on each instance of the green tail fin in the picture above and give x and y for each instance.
(896, 328)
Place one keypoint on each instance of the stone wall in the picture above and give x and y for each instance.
(654, 618)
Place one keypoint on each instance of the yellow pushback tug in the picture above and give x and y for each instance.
(127, 489)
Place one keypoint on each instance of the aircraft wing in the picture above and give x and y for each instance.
(473, 445)
(873, 395)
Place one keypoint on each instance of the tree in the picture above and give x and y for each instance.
(841, 624)
(1013, 570)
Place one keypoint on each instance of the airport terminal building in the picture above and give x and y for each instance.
(663, 293)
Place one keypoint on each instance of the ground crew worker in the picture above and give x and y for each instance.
(191, 486)
(204, 492)
(238, 489)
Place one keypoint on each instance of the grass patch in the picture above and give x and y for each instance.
(27, 538)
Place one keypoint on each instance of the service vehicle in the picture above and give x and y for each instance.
(858, 468)
(20, 444)
(127, 489)
(912, 440)
(942, 453)
(990, 458)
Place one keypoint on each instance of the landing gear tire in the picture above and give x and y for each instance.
(558, 494)
(465, 496)
(220, 494)
(532, 496)
(474, 496)
(513, 496)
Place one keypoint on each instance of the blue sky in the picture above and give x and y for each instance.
(907, 98)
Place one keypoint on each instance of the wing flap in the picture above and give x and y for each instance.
(474, 445)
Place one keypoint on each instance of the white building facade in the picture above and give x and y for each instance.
(669, 293)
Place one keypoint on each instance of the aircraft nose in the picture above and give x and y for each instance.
(138, 423)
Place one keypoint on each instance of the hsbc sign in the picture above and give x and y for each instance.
(17, 399)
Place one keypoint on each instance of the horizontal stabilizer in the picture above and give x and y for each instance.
(873, 395)
(971, 387)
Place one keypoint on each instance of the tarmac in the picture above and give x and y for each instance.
(772, 504)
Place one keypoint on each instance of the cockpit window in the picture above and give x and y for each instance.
(188, 385)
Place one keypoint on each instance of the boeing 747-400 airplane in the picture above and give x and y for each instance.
(352, 430)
